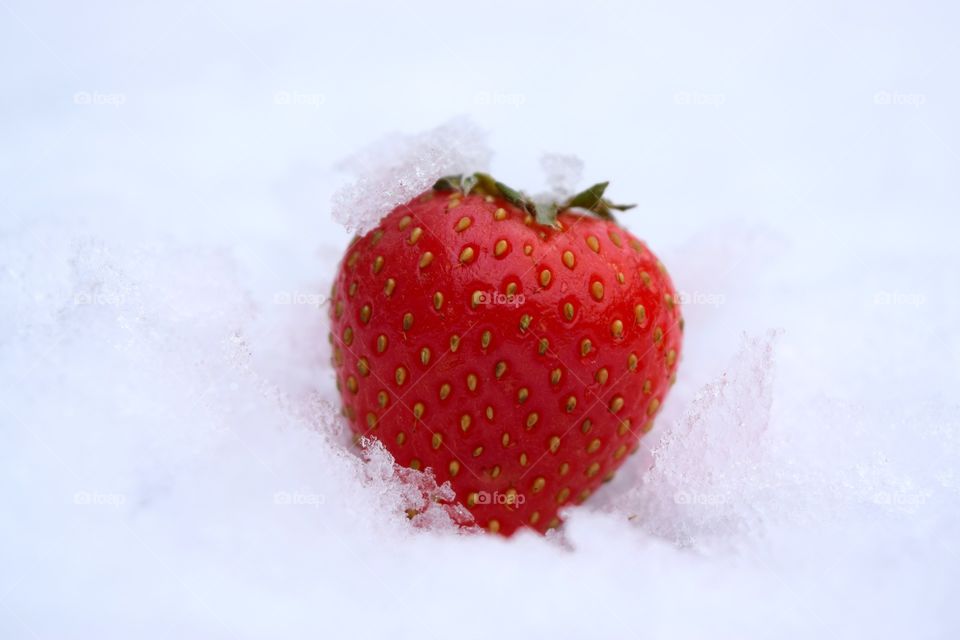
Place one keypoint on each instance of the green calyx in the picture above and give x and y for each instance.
(546, 213)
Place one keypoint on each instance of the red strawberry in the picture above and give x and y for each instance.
(518, 349)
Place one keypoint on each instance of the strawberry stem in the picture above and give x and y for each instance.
(546, 213)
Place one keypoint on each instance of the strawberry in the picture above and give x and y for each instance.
(518, 349)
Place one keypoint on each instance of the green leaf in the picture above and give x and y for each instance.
(486, 183)
(447, 183)
(546, 213)
(592, 200)
(512, 195)
(589, 199)
(468, 182)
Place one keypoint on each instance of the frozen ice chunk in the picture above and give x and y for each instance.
(563, 173)
(707, 466)
(738, 467)
(408, 492)
(399, 167)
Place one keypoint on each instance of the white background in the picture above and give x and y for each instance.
(169, 460)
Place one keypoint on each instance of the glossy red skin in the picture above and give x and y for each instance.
(568, 472)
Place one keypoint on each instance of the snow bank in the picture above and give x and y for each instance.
(171, 459)
(173, 462)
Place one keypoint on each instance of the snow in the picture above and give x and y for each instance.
(398, 168)
(171, 461)
(563, 173)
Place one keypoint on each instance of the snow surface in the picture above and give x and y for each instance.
(170, 460)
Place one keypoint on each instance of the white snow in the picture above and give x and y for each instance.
(563, 173)
(394, 170)
(171, 463)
